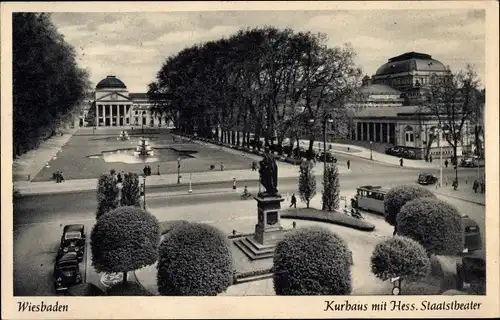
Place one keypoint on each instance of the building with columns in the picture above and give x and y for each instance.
(390, 109)
(114, 106)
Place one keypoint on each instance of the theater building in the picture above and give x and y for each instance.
(113, 106)
(390, 107)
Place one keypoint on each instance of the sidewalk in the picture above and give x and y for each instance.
(364, 153)
(27, 166)
(464, 192)
(48, 187)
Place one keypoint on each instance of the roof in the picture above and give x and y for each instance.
(388, 111)
(378, 89)
(411, 61)
(73, 227)
(68, 257)
(110, 82)
(138, 96)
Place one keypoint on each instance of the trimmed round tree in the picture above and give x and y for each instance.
(124, 239)
(398, 196)
(312, 261)
(400, 257)
(331, 188)
(307, 182)
(195, 260)
(433, 223)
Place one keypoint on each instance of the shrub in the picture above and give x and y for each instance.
(307, 182)
(396, 198)
(127, 289)
(131, 190)
(400, 257)
(331, 188)
(195, 260)
(124, 239)
(312, 261)
(167, 226)
(107, 194)
(435, 224)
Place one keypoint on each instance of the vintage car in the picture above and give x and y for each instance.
(73, 240)
(471, 272)
(328, 155)
(84, 289)
(426, 178)
(394, 151)
(66, 272)
(472, 235)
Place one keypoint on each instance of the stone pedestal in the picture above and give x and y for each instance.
(268, 230)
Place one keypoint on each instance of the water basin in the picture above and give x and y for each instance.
(159, 155)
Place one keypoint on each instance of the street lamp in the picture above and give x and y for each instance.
(328, 119)
(144, 191)
(439, 132)
(178, 170)
(371, 150)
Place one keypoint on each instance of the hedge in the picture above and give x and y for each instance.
(400, 257)
(396, 198)
(194, 260)
(312, 261)
(435, 224)
(127, 289)
(124, 239)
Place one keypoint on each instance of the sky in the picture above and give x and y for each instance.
(133, 46)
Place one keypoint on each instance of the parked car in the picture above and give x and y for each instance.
(471, 161)
(394, 151)
(471, 272)
(73, 240)
(66, 272)
(328, 155)
(472, 235)
(426, 178)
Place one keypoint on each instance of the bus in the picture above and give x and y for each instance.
(369, 198)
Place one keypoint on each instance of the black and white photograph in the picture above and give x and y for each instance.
(235, 152)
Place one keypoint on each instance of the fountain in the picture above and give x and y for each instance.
(123, 136)
(143, 148)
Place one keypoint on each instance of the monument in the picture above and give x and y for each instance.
(143, 148)
(123, 135)
(268, 230)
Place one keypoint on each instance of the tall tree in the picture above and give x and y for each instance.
(47, 83)
(454, 99)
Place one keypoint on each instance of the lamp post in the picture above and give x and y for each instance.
(178, 170)
(371, 150)
(439, 132)
(144, 191)
(328, 119)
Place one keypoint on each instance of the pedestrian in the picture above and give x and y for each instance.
(348, 164)
(455, 184)
(61, 176)
(475, 186)
(446, 163)
(430, 158)
(401, 162)
(254, 165)
(145, 170)
(483, 186)
(293, 202)
(149, 170)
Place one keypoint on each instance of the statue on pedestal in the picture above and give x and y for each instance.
(268, 172)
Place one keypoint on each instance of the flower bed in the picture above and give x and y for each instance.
(333, 217)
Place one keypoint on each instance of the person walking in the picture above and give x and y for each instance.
(446, 163)
(475, 186)
(293, 202)
(401, 162)
(145, 170)
(483, 186)
(348, 164)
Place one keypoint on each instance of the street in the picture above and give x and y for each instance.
(38, 220)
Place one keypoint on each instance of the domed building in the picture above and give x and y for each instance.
(390, 109)
(114, 106)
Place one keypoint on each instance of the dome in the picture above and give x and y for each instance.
(110, 82)
(411, 61)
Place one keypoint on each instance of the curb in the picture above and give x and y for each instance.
(460, 198)
(367, 229)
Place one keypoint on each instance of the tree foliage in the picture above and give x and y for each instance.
(433, 223)
(398, 196)
(107, 194)
(124, 239)
(131, 192)
(331, 188)
(312, 261)
(194, 260)
(256, 81)
(47, 83)
(400, 257)
(307, 182)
